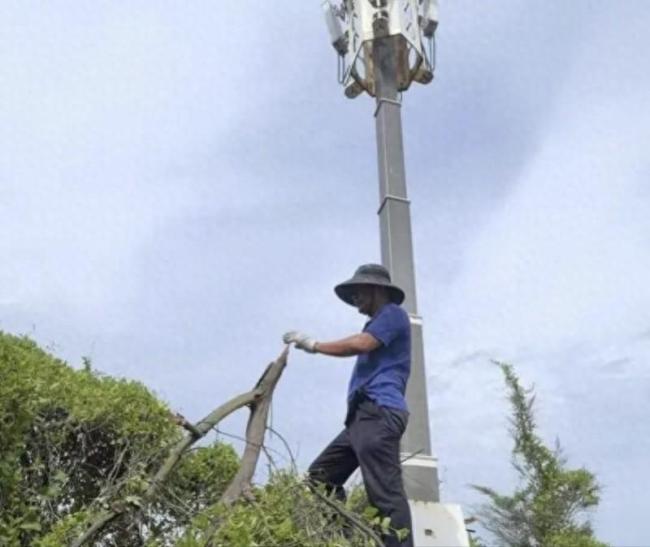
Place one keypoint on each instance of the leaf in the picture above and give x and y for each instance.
(52, 491)
(31, 526)
(370, 512)
(134, 500)
(60, 476)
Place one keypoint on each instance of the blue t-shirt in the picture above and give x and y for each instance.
(382, 373)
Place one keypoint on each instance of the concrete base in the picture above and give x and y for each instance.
(438, 525)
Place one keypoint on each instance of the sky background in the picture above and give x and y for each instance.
(181, 182)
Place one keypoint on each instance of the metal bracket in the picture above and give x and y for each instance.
(393, 198)
(421, 460)
(384, 100)
(415, 319)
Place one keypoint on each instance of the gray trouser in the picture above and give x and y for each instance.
(370, 440)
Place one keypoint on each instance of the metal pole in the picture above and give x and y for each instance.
(420, 472)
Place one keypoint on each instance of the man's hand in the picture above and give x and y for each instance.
(301, 340)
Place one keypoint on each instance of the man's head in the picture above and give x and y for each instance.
(369, 288)
(368, 299)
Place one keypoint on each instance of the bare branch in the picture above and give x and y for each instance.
(350, 517)
(182, 421)
(255, 431)
(96, 525)
(294, 466)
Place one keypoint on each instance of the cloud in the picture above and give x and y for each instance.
(563, 256)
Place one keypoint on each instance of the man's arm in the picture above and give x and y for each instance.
(352, 345)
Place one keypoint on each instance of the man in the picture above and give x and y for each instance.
(377, 414)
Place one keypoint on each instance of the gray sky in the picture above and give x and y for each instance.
(183, 182)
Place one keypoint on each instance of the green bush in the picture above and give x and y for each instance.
(76, 443)
(72, 439)
(283, 513)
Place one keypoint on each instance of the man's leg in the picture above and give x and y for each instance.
(334, 465)
(375, 435)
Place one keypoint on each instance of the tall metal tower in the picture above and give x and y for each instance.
(382, 49)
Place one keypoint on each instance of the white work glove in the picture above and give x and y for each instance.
(302, 341)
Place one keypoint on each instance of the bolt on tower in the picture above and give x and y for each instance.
(383, 47)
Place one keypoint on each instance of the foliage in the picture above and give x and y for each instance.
(283, 513)
(550, 506)
(76, 442)
(73, 439)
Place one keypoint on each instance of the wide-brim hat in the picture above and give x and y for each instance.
(369, 274)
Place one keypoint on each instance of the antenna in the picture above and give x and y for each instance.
(355, 24)
(333, 19)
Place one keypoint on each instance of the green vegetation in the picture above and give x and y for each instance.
(75, 442)
(551, 505)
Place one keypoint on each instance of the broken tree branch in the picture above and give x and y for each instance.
(255, 431)
(258, 399)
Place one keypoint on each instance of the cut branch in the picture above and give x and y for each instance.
(258, 399)
(255, 431)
